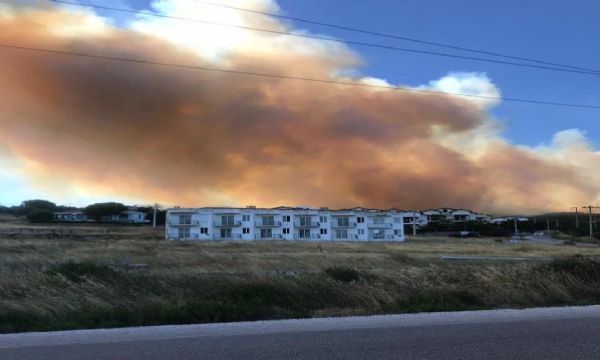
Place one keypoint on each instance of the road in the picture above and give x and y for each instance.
(549, 333)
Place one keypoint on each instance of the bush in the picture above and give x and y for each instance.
(343, 274)
(582, 269)
(40, 216)
(438, 300)
(76, 272)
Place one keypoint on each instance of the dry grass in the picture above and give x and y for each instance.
(231, 281)
(142, 245)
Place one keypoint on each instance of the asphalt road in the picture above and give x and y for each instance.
(551, 333)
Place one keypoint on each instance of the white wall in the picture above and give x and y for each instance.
(187, 224)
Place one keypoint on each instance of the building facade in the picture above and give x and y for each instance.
(70, 216)
(284, 223)
(128, 217)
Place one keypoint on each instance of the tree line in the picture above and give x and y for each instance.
(41, 211)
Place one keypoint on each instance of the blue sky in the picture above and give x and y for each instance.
(556, 31)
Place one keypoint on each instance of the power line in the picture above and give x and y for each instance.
(397, 37)
(324, 38)
(287, 77)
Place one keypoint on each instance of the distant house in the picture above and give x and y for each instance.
(417, 218)
(128, 217)
(455, 215)
(70, 216)
(500, 220)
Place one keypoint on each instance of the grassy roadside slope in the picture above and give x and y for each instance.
(82, 281)
(72, 296)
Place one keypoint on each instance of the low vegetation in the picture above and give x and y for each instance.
(84, 295)
(110, 276)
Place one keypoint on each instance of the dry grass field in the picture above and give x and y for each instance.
(132, 244)
(82, 276)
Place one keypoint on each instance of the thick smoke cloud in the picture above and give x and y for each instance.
(192, 137)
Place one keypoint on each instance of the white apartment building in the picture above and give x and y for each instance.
(284, 223)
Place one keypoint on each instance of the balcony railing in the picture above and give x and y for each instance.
(375, 225)
(220, 223)
(349, 237)
(311, 237)
(182, 224)
(335, 224)
(231, 237)
(263, 224)
(307, 224)
(272, 237)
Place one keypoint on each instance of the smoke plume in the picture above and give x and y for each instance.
(191, 137)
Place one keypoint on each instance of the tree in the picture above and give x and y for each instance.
(99, 210)
(30, 206)
(40, 216)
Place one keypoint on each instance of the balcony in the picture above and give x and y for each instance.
(311, 237)
(267, 224)
(307, 224)
(335, 224)
(383, 225)
(232, 237)
(272, 237)
(184, 224)
(350, 237)
(219, 223)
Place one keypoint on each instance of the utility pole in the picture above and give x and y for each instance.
(515, 238)
(576, 217)
(154, 215)
(590, 208)
(414, 224)
(547, 224)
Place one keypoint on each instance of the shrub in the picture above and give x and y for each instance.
(438, 300)
(76, 272)
(40, 216)
(343, 274)
(585, 270)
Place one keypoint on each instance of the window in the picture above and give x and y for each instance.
(245, 217)
(343, 221)
(408, 220)
(286, 231)
(323, 219)
(378, 234)
(323, 231)
(397, 220)
(397, 232)
(184, 233)
(360, 219)
(227, 220)
(379, 220)
(361, 231)
(286, 218)
(341, 234)
(268, 220)
(304, 233)
(266, 233)
(204, 231)
(226, 233)
(185, 219)
(246, 230)
(304, 220)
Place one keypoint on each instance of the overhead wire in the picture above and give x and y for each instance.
(288, 77)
